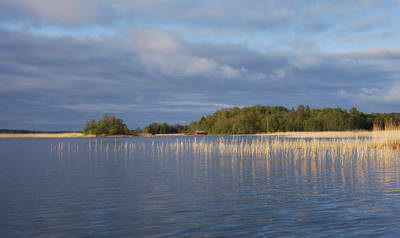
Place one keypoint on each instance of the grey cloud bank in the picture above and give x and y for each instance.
(311, 15)
(155, 73)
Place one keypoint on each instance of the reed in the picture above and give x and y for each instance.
(387, 138)
(381, 146)
(321, 134)
(301, 148)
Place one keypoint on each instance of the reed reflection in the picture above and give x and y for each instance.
(342, 161)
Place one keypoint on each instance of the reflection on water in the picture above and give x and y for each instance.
(153, 187)
(309, 157)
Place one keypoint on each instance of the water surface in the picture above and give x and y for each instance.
(130, 188)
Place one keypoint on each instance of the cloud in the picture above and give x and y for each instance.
(380, 97)
(46, 80)
(156, 41)
(175, 60)
(166, 53)
(371, 36)
(275, 15)
(369, 22)
(63, 12)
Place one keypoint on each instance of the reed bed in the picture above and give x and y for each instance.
(380, 146)
(339, 150)
(385, 133)
(321, 134)
(298, 148)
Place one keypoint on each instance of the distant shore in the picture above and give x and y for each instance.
(75, 135)
(302, 134)
(45, 135)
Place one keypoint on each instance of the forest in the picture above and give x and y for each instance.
(164, 128)
(259, 119)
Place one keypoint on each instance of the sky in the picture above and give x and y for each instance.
(67, 61)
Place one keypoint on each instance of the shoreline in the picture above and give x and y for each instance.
(302, 134)
(75, 135)
(381, 139)
(46, 135)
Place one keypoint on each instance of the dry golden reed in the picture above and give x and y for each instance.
(381, 146)
(346, 146)
(296, 148)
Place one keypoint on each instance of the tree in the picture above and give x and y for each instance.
(259, 118)
(90, 127)
(164, 128)
(108, 125)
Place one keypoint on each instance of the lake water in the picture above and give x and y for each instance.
(133, 188)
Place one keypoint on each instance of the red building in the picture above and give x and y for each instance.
(199, 133)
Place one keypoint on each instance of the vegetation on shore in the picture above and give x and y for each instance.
(272, 120)
(108, 125)
(258, 119)
(268, 119)
(164, 128)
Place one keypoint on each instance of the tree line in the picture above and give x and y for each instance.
(111, 125)
(164, 128)
(256, 119)
(259, 119)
